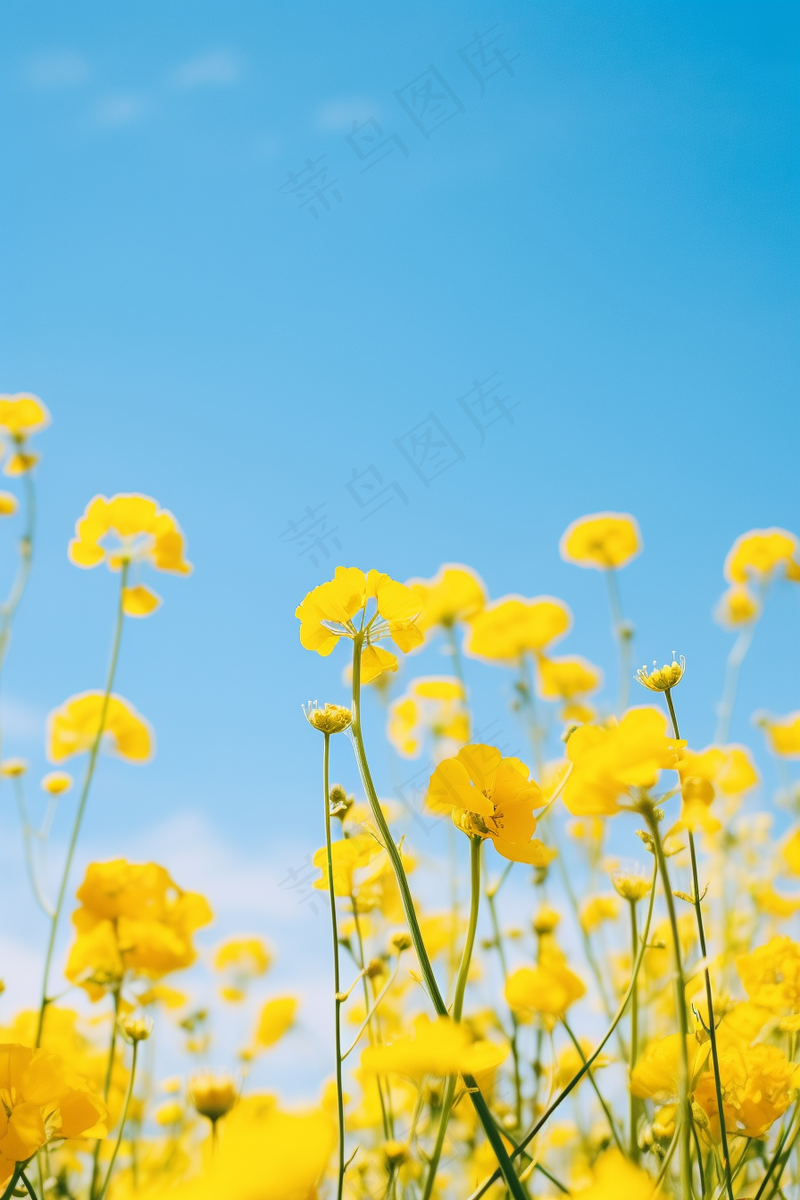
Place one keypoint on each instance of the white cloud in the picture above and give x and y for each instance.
(56, 69)
(337, 116)
(218, 68)
(115, 111)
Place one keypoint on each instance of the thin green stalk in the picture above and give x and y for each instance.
(680, 1003)
(122, 1121)
(573, 1083)
(326, 751)
(458, 1004)
(732, 668)
(776, 1159)
(712, 1027)
(28, 1185)
(87, 783)
(481, 1108)
(112, 1050)
(612, 1125)
(455, 653)
(9, 609)
(361, 963)
(27, 834)
(12, 1183)
(491, 897)
(535, 731)
(622, 633)
(635, 1102)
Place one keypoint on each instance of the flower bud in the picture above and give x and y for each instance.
(333, 718)
(135, 1029)
(213, 1096)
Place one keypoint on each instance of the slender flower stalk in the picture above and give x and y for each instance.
(623, 634)
(28, 834)
(326, 792)
(9, 608)
(733, 667)
(87, 783)
(112, 1052)
(475, 850)
(635, 1103)
(612, 1125)
(481, 1108)
(712, 1028)
(122, 1120)
(573, 1083)
(491, 898)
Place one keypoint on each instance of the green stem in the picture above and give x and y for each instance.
(455, 653)
(361, 963)
(635, 1102)
(12, 1183)
(27, 845)
(680, 1004)
(732, 668)
(122, 1121)
(712, 1027)
(112, 1050)
(775, 1160)
(481, 1108)
(87, 783)
(326, 751)
(458, 1004)
(491, 896)
(535, 731)
(606, 1110)
(28, 1185)
(573, 1083)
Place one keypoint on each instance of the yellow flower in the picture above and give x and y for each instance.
(12, 768)
(759, 553)
(614, 1178)
(570, 1061)
(432, 704)
(782, 733)
(717, 769)
(213, 1096)
(130, 528)
(133, 919)
(610, 763)
(333, 718)
(513, 626)
(436, 1047)
(348, 856)
(568, 676)
(758, 1085)
(41, 1099)
(275, 1019)
(247, 956)
(328, 613)
(791, 851)
(160, 993)
(72, 728)
(456, 593)
(631, 881)
(20, 416)
(737, 606)
(603, 540)
(665, 678)
(771, 975)
(135, 1028)
(169, 1113)
(57, 782)
(491, 797)
(657, 1073)
(597, 910)
(548, 989)
(8, 504)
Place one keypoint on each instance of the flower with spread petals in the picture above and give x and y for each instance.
(437, 1047)
(782, 733)
(512, 626)
(20, 416)
(73, 727)
(546, 990)
(454, 595)
(247, 956)
(332, 718)
(433, 706)
(604, 541)
(130, 529)
(717, 770)
(613, 762)
(656, 1075)
(489, 796)
(615, 1178)
(329, 613)
(662, 679)
(758, 1084)
(760, 554)
(42, 1100)
(135, 921)
(737, 606)
(566, 677)
(770, 975)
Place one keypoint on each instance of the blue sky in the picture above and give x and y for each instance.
(604, 231)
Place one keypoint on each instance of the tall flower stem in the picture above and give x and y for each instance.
(733, 666)
(623, 634)
(635, 1103)
(122, 1121)
(9, 608)
(606, 1110)
(680, 1003)
(112, 1051)
(491, 897)
(455, 654)
(481, 1107)
(87, 783)
(326, 791)
(573, 1083)
(458, 1004)
(712, 1028)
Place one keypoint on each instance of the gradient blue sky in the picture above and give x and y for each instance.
(611, 228)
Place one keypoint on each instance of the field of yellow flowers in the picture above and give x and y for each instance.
(632, 1032)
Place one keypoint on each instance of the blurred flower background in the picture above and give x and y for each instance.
(564, 284)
